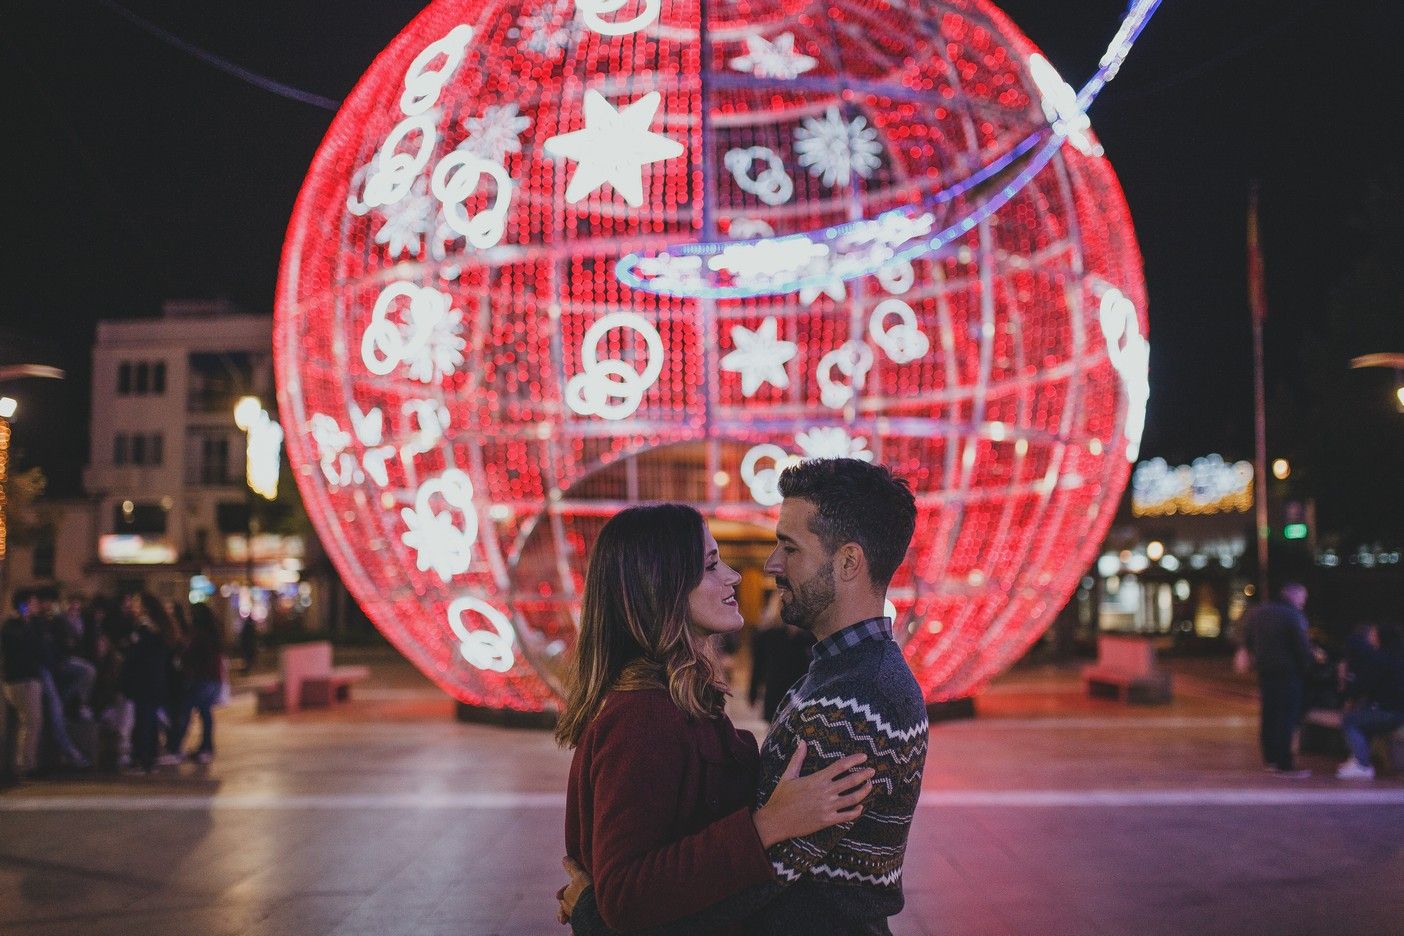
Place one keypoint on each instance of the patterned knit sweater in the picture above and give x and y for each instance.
(858, 696)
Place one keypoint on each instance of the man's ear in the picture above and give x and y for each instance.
(850, 563)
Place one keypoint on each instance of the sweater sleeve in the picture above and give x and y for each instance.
(641, 878)
(792, 857)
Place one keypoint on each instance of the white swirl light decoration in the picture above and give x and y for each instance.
(593, 12)
(764, 483)
(455, 179)
(443, 539)
(772, 185)
(608, 388)
(1129, 353)
(853, 360)
(429, 344)
(904, 342)
(489, 650)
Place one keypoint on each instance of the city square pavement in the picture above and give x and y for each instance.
(1048, 813)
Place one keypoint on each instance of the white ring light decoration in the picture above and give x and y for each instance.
(772, 185)
(853, 359)
(593, 12)
(612, 389)
(904, 342)
(454, 181)
(764, 483)
(423, 84)
(489, 650)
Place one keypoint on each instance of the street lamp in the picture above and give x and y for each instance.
(1395, 361)
(8, 406)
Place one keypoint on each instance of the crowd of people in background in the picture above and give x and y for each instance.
(137, 669)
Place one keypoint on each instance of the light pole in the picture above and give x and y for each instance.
(262, 451)
(8, 407)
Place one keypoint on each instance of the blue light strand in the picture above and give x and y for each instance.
(1137, 18)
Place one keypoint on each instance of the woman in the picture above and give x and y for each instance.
(658, 810)
(203, 665)
(144, 680)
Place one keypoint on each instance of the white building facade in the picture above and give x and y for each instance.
(166, 469)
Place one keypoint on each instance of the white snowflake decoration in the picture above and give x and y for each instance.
(765, 58)
(832, 442)
(544, 35)
(407, 222)
(496, 133)
(760, 356)
(832, 149)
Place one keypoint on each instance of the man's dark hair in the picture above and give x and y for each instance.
(47, 593)
(857, 502)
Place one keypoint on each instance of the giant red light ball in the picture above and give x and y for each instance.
(469, 390)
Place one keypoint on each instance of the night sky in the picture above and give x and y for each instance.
(137, 172)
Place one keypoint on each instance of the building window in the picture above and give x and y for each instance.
(140, 518)
(138, 449)
(209, 458)
(43, 558)
(141, 378)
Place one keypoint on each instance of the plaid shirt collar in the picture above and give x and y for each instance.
(878, 628)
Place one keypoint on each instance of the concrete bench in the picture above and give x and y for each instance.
(1321, 734)
(1125, 669)
(306, 679)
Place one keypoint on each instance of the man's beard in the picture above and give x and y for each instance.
(809, 600)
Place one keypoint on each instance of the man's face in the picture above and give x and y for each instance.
(803, 568)
(1296, 596)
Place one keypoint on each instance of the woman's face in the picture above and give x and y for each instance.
(711, 608)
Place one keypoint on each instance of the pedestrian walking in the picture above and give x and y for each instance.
(1275, 636)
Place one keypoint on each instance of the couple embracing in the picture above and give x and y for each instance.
(675, 822)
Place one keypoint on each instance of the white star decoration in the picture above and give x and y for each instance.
(614, 147)
(777, 59)
(760, 356)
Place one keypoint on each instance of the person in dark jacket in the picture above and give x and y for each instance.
(203, 669)
(21, 667)
(1275, 633)
(1377, 706)
(779, 657)
(144, 677)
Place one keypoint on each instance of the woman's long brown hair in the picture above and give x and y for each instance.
(634, 631)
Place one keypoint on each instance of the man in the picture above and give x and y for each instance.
(1275, 635)
(22, 656)
(1377, 698)
(844, 528)
(40, 617)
